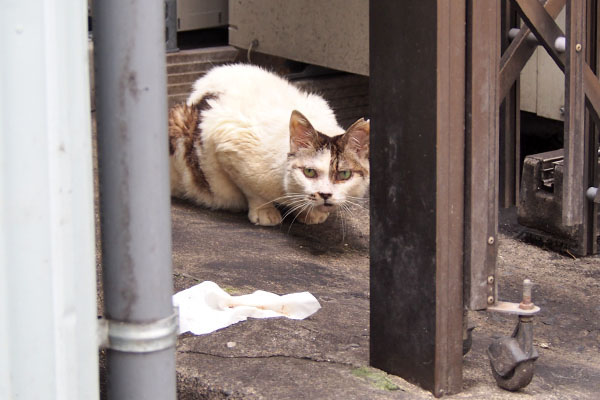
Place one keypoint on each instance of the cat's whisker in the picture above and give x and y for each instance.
(284, 197)
(297, 215)
(291, 201)
(294, 202)
(363, 206)
(264, 204)
(299, 206)
(346, 212)
(292, 196)
(347, 209)
(358, 199)
(340, 213)
(292, 212)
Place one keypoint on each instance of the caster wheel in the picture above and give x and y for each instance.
(516, 379)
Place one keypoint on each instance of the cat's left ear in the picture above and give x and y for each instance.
(302, 133)
(357, 137)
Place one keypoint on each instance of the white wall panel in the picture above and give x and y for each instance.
(48, 344)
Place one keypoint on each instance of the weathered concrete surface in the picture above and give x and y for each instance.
(321, 357)
(277, 358)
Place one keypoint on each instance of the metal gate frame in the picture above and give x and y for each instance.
(436, 130)
(582, 93)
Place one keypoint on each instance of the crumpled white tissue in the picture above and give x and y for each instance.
(206, 307)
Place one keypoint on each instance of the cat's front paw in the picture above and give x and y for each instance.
(265, 216)
(313, 217)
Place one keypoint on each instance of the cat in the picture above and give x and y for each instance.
(247, 139)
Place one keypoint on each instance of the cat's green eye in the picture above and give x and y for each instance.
(344, 175)
(309, 173)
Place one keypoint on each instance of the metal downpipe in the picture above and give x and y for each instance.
(130, 68)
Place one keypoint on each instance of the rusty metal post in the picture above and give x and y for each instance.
(482, 143)
(417, 193)
(580, 143)
(509, 121)
(574, 143)
(593, 140)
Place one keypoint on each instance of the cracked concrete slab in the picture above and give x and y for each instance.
(323, 356)
(315, 358)
(278, 358)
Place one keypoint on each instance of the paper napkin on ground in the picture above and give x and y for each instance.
(206, 307)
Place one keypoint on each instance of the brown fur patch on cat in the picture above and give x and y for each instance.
(184, 131)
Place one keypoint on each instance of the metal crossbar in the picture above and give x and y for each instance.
(571, 54)
(543, 27)
(520, 51)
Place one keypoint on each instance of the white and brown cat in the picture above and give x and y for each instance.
(247, 139)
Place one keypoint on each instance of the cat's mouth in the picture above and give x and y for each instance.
(326, 207)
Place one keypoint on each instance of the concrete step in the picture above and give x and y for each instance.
(188, 78)
(177, 99)
(184, 88)
(219, 54)
(198, 61)
(191, 67)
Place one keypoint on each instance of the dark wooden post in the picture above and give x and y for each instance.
(417, 97)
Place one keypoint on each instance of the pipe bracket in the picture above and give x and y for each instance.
(139, 337)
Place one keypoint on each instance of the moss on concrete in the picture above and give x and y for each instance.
(375, 377)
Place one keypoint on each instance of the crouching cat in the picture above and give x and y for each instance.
(247, 140)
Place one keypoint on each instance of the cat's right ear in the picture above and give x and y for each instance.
(302, 133)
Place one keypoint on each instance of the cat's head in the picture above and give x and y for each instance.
(325, 171)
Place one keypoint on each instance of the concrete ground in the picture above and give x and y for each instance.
(326, 356)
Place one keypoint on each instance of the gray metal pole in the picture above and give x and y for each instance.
(134, 189)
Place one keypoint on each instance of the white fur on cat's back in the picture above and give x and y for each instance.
(264, 99)
(245, 136)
